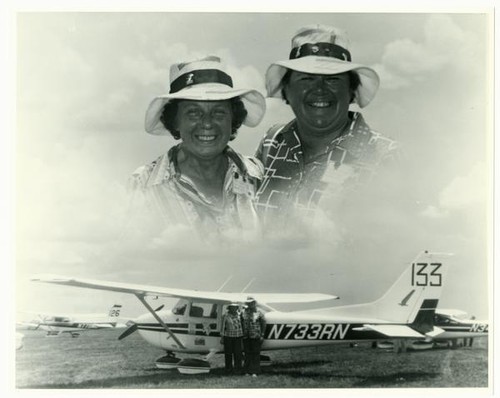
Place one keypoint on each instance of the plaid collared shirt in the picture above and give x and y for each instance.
(177, 200)
(253, 324)
(292, 186)
(231, 325)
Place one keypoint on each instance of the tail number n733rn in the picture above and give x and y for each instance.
(307, 331)
(426, 274)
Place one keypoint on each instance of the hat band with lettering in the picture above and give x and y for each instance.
(321, 49)
(200, 76)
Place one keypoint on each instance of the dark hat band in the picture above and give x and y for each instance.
(321, 49)
(200, 76)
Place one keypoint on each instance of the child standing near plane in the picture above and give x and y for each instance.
(232, 338)
(254, 326)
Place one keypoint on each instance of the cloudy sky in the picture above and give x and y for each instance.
(84, 81)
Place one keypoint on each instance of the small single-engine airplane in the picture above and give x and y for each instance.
(457, 328)
(457, 325)
(405, 311)
(73, 324)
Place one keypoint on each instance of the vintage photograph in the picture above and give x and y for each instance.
(254, 200)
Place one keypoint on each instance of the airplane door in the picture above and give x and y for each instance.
(203, 319)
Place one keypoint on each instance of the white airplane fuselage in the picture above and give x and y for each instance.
(72, 326)
(283, 330)
(464, 329)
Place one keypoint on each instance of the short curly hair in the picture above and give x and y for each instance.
(169, 112)
(354, 83)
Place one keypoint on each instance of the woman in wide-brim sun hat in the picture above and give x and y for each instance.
(201, 181)
(307, 159)
(322, 50)
(203, 80)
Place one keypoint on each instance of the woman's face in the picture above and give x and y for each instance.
(204, 126)
(320, 102)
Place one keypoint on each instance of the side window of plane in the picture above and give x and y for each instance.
(180, 310)
(441, 320)
(213, 311)
(202, 310)
(180, 307)
(196, 311)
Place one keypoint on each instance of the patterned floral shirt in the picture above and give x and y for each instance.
(292, 186)
(254, 324)
(231, 325)
(177, 200)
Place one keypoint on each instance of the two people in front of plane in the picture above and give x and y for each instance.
(325, 149)
(243, 331)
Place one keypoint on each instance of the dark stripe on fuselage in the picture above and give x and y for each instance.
(319, 331)
(288, 331)
(178, 328)
(73, 325)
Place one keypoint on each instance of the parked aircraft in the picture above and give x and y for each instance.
(458, 327)
(73, 324)
(405, 311)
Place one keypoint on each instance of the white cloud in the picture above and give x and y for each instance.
(467, 190)
(433, 212)
(390, 80)
(407, 57)
(443, 45)
(462, 192)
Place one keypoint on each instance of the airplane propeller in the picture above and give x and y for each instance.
(132, 326)
(131, 329)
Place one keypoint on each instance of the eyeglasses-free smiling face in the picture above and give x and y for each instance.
(204, 126)
(320, 102)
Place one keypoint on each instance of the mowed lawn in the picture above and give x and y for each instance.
(97, 359)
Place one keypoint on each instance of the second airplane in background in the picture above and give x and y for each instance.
(73, 324)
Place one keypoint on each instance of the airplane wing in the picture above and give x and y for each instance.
(212, 297)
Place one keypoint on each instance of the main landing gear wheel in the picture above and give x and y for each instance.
(192, 366)
(168, 361)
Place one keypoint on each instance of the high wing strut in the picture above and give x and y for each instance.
(248, 285)
(224, 284)
(152, 311)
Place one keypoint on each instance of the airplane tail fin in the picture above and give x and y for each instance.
(413, 298)
(114, 311)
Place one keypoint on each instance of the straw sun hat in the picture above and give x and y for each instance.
(203, 80)
(322, 50)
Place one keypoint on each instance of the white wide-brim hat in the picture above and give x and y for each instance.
(203, 80)
(322, 50)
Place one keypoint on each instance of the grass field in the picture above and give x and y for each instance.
(98, 360)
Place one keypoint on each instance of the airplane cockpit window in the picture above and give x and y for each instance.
(440, 320)
(213, 311)
(203, 310)
(180, 307)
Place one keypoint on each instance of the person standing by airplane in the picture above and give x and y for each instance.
(327, 149)
(232, 339)
(254, 326)
(202, 182)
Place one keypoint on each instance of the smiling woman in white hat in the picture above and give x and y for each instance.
(201, 181)
(302, 158)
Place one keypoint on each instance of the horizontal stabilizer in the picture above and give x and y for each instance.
(435, 332)
(396, 331)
